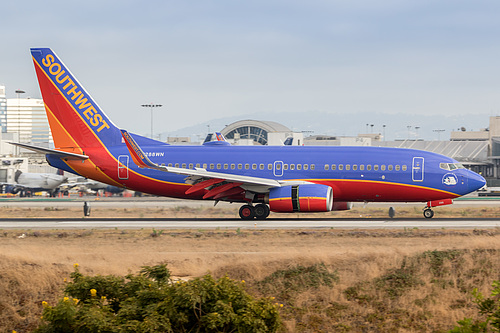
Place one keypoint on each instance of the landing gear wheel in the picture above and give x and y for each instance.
(261, 211)
(428, 213)
(247, 212)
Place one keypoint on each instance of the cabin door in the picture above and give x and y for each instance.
(417, 168)
(123, 167)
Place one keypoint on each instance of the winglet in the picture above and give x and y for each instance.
(136, 152)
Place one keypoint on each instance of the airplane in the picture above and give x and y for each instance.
(283, 179)
(95, 187)
(27, 183)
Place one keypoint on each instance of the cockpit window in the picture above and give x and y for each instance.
(451, 166)
(444, 166)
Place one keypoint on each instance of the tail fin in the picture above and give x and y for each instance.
(75, 119)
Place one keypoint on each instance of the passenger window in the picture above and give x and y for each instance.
(299, 166)
(240, 166)
(355, 167)
(341, 167)
(292, 166)
(278, 166)
(226, 166)
(233, 166)
(390, 167)
(285, 166)
(382, 167)
(254, 166)
(313, 166)
(219, 166)
(261, 166)
(190, 165)
(404, 168)
(361, 167)
(375, 167)
(197, 165)
(176, 165)
(306, 166)
(184, 165)
(170, 164)
(204, 165)
(348, 167)
(247, 166)
(334, 167)
(369, 167)
(269, 166)
(398, 167)
(327, 167)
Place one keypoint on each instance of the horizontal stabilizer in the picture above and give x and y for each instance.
(60, 153)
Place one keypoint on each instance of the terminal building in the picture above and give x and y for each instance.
(477, 150)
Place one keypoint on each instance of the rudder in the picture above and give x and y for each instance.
(75, 119)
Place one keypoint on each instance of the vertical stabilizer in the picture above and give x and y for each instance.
(76, 121)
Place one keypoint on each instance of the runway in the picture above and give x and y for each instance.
(233, 224)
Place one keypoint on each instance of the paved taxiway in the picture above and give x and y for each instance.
(278, 221)
(89, 223)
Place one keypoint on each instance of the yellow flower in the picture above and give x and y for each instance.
(103, 298)
(75, 265)
(242, 281)
(75, 301)
(281, 305)
(93, 292)
(66, 299)
(65, 280)
(45, 304)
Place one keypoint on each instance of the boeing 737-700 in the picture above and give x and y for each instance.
(263, 178)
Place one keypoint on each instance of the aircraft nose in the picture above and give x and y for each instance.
(475, 181)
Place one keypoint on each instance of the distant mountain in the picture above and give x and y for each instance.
(398, 126)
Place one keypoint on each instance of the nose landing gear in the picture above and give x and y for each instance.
(260, 212)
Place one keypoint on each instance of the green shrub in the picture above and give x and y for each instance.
(151, 302)
(489, 310)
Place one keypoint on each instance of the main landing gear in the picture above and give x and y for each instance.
(260, 212)
(428, 213)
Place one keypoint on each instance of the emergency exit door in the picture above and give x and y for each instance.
(123, 167)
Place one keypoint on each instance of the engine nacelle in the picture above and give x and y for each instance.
(301, 198)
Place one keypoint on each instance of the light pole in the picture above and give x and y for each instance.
(152, 106)
(438, 131)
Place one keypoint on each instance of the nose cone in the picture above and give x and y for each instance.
(475, 181)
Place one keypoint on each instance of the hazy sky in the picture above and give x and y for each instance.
(212, 59)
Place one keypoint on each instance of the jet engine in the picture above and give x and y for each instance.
(301, 198)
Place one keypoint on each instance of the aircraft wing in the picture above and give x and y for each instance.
(144, 162)
(60, 153)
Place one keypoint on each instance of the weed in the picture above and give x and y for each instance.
(155, 233)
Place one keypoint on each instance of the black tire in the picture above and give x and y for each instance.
(428, 213)
(247, 212)
(261, 211)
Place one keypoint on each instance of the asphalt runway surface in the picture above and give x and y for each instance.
(271, 223)
(274, 222)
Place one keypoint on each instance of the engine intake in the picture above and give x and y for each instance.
(301, 198)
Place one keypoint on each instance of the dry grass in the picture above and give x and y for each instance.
(32, 269)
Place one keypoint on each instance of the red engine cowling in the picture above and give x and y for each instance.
(301, 198)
